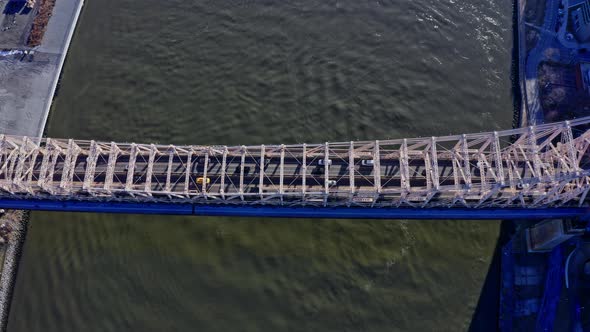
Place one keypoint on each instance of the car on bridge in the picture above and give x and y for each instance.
(367, 162)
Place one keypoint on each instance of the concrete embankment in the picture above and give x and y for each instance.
(58, 37)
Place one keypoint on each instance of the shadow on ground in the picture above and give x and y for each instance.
(485, 317)
(14, 7)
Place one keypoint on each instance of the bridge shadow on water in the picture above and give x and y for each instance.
(485, 316)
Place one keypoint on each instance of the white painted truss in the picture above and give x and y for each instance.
(542, 166)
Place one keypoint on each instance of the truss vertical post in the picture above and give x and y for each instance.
(428, 168)
(304, 170)
(456, 180)
(7, 154)
(6, 166)
(481, 165)
(242, 165)
(22, 158)
(205, 170)
(282, 172)
(351, 170)
(3, 160)
(49, 184)
(404, 168)
(67, 176)
(569, 142)
(497, 150)
(32, 163)
(26, 174)
(432, 176)
(168, 185)
(223, 172)
(131, 168)
(534, 151)
(466, 163)
(376, 172)
(511, 178)
(377, 167)
(67, 165)
(187, 172)
(261, 171)
(326, 172)
(32, 167)
(150, 170)
(91, 161)
(113, 154)
(434, 162)
(13, 159)
(44, 162)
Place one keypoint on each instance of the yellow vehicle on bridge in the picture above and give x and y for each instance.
(202, 180)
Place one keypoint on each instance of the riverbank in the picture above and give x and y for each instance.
(28, 83)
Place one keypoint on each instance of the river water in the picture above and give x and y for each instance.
(264, 71)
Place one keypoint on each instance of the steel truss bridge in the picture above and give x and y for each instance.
(533, 172)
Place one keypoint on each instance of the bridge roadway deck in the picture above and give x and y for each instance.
(528, 168)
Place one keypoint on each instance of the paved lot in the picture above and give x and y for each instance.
(27, 83)
(24, 89)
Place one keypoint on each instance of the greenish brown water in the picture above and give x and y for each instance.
(262, 71)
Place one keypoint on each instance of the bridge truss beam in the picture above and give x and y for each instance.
(542, 166)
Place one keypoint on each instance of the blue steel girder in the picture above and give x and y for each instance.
(295, 212)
